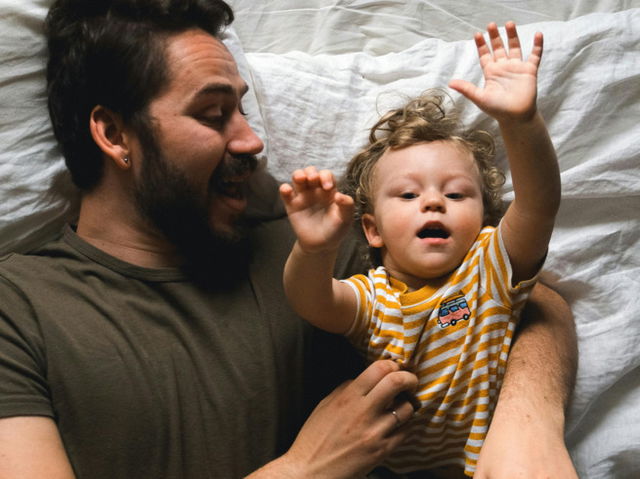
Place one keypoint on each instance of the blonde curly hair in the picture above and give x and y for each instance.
(424, 119)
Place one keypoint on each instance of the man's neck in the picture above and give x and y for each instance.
(126, 236)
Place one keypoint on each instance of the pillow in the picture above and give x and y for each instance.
(36, 195)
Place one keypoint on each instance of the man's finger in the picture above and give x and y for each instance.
(371, 376)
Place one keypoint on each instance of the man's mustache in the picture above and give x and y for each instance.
(233, 168)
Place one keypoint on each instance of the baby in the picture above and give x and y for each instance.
(450, 276)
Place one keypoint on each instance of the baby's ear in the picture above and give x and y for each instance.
(371, 231)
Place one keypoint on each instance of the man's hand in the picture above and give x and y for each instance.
(510, 84)
(352, 429)
(319, 214)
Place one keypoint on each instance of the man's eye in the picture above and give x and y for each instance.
(212, 121)
(408, 196)
(454, 196)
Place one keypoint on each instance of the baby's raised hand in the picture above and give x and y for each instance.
(510, 88)
(319, 214)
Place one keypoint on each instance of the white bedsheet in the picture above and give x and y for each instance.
(318, 69)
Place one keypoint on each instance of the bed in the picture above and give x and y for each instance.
(319, 73)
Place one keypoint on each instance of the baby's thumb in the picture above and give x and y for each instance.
(466, 88)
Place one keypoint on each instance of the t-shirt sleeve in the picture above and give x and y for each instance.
(358, 332)
(23, 384)
(499, 273)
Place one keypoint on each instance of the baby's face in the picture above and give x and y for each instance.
(428, 210)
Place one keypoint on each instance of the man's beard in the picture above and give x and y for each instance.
(214, 257)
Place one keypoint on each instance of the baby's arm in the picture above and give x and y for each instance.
(509, 96)
(320, 217)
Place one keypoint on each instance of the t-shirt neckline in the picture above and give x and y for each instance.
(127, 269)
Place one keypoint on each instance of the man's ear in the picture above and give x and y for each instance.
(371, 231)
(107, 130)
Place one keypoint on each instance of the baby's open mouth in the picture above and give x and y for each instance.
(430, 232)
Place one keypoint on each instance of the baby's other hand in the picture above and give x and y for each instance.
(319, 214)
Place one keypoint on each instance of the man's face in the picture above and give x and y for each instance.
(197, 148)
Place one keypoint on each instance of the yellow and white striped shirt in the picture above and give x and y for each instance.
(455, 338)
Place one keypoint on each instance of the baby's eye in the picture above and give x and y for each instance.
(454, 196)
(408, 195)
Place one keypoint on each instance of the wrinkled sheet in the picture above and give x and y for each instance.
(320, 71)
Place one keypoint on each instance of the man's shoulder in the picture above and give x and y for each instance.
(30, 281)
(46, 258)
(43, 275)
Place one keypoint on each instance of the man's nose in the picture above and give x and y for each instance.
(242, 139)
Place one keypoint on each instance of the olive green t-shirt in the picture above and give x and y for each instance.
(146, 374)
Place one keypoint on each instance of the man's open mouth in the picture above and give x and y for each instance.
(232, 175)
(231, 188)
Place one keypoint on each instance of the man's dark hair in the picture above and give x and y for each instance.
(112, 53)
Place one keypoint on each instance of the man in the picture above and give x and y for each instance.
(143, 343)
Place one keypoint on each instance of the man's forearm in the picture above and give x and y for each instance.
(526, 435)
(542, 364)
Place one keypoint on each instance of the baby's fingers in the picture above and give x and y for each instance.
(327, 180)
(515, 51)
(496, 41)
(345, 205)
(343, 200)
(536, 51)
(484, 52)
(305, 179)
(286, 193)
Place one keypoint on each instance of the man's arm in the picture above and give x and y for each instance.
(349, 432)
(31, 448)
(526, 436)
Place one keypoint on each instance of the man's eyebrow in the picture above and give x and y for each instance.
(217, 88)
